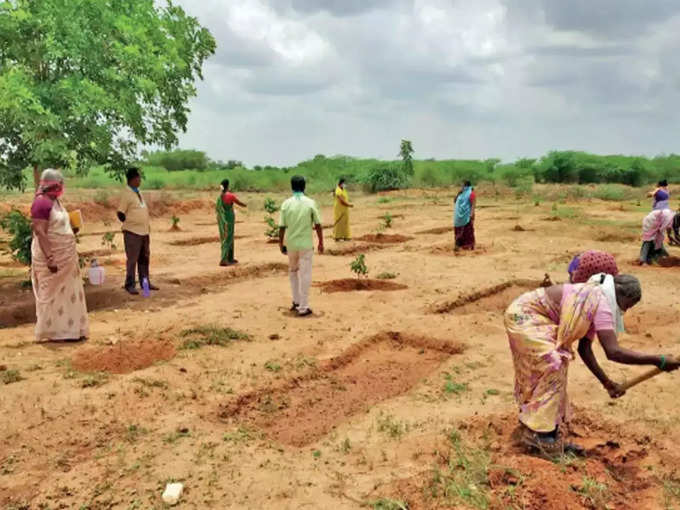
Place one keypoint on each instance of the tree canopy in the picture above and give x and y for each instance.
(84, 82)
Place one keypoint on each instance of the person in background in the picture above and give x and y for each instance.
(226, 221)
(674, 231)
(661, 196)
(341, 230)
(542, 328)
(464, 217)
(589, 263)
(134, 214)
(298, 216)
(654, 228)
(60, 308)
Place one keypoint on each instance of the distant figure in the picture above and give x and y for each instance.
(589, 263)
(134, 214)
(299, 215)
(60, 309)
(661, 196)
(226, 220)
(654, 228)
(464, 217)
(341, 230)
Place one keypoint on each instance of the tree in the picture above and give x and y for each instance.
(406, 153)
(84, 82)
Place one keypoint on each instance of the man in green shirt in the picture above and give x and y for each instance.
(299, 215)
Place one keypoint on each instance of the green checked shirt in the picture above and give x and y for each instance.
(298, 215)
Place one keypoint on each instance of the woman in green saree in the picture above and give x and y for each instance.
(225, 221)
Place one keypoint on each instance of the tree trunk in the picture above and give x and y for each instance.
(36, 176)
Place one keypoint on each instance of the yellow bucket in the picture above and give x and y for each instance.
(76, 219)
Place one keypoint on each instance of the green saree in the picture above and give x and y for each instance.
(225, 221)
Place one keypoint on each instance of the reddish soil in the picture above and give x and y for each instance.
(352, 284)
(491, 299)
(384, 238)
(194, 241)
(99, 252)
(123, 357)
(617, 471)
(518, 228)
(670, 261)
(304, 409)
(616, 237)
(437, 230)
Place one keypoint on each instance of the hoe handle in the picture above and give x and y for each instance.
(641, 378)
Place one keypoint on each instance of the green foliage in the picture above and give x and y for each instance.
(386, 276)
(10, 376)
(83, 83)
(179, 159)
(391, 426)
(387, 220)
(19, 228)
(406, 154)
(358, 266)
(613, 192)
(109, 240)
(175, 222)
(270, 205)
(385, 176)
(466, 477)
(595, 494)
(94, 379)
(197, 337)
(452, 387)
(272, 366)
(272, 231)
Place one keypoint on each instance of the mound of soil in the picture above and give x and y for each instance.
(351, 284)
(437, 230)
(353, 249)
(518, 228)
(616, 237)
(383, 238)
(194, 241)
(101, 252)
(123, 357)
(304, 409)
(491, 299)
(669, 261)
(616, 472)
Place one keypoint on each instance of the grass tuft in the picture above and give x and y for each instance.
(200, 336)
(10, 376)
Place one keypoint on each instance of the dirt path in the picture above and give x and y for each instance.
(260, 409)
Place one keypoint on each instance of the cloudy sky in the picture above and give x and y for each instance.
(460, 78)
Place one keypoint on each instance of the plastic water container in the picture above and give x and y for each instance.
(97, 274)
(146, 292)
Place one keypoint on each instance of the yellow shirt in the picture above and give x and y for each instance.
(136, 213)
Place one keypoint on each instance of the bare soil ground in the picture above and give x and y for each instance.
(379, 398)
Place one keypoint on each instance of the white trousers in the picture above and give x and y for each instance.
(300, 273)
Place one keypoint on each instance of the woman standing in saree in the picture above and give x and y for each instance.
(543, 326)
(60, 307)
(226, 221)
(341, 231)
(464, 218)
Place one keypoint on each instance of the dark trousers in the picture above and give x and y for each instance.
(137, 251)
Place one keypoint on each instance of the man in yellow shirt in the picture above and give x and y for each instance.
(134, 214)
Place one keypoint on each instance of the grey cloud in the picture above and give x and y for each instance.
(343, 7)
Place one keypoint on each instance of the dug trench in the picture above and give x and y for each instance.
(303, 409)
(381, 238)
(22, 309)
(195, 241)
(358, 284)
(490, 299)
(481, 464)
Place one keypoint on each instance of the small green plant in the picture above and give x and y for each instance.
(388, 504)
(671, 492)
(595, 494)
(10, 376)
(387, 221)
(492, 392)
(391, 426)
(108, 240)
(358, 266)
(94, 379)
(172, 437)
(272, 231)
(345, 446)
(387, 276)
(240, 435)
(175, 222)
(197, 337)
(272, 366)
(452, 387)
(270, 205)
(133, 432)
(316, 454)
(19, 228)
(384, 200)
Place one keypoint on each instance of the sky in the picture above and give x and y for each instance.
(461, 79)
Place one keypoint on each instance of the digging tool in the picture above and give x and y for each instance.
(641, 378)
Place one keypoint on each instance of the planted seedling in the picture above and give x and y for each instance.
(358, 266)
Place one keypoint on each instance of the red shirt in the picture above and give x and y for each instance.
(229, 198)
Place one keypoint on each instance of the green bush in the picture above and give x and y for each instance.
(613, 192)
(384, 177)
(19, 228)
(179, 159)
